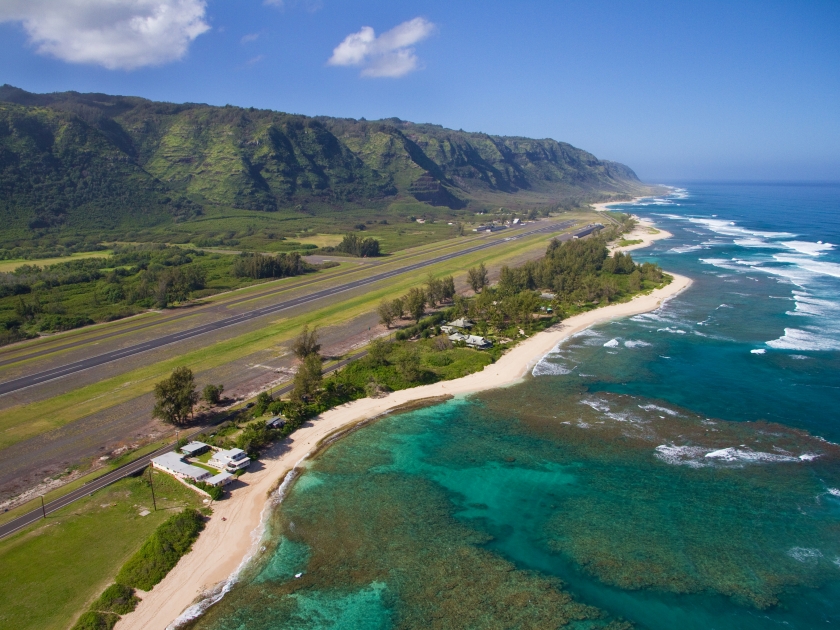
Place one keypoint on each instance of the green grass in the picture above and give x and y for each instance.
(625, 242)
(161, 552)
(11, 265)
(55, 569)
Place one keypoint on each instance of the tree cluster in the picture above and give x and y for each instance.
(357, 246)
(258, 266)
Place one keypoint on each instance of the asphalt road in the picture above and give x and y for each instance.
(115, 355)
(131, 468)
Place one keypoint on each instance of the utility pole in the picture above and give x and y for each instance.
(43, 509)
(154, 502)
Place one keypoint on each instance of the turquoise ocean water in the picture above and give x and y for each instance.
(678, 469)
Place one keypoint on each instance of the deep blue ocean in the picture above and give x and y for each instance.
(677, 469)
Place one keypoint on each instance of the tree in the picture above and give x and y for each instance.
(307, 379)
(448, 288)
(378, 351)
(415, 303)
(408, 364)
(434, 289)
(175, 397)
(212, 393)
(477, 277)
(386, 313)
(306, 343)
(397, 308)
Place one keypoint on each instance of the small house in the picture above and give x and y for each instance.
(194, 448)
(277, 422)
(222, 479)
(457, 337)
(231, 460)
(461, 322)
(477, 342)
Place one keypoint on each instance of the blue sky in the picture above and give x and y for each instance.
(677, 90)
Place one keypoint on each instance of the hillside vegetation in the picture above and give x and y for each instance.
(94, 164)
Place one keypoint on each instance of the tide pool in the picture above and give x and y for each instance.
(675, 469)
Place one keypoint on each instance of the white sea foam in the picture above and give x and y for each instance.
(805, 339)
(635, 343)
(730, 228)
(814, 266)
(668, 329)
(612, 343)
(702, 457)
(806, 247)
(804, 554)
(549, 368)
(834, 492)
(733, 454)
(754, 242)
(652, 407)
(681, 455)
(684, 249)
(758, 351)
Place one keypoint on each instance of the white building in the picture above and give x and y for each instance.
(230, 460)
(174, 465)
(194, 448)
(222, 479)
(473, 341)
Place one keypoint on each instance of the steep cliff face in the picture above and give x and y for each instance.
(113, 160)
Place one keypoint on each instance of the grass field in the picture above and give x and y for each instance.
(55, 569)
(11, 265)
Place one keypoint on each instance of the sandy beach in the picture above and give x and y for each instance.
(233, 530)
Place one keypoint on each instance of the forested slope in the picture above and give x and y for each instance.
(71, 160)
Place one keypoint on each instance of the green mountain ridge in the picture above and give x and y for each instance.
(94, 161)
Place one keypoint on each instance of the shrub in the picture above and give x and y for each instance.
(117, 598)
(215, 492)
(92, 620)
(161, 552)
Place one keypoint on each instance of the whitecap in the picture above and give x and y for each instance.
(805, 339)
(668, 329)
(680, 455)
(758, 351)
(652, 407)
(806, 247)
(814, 266)
(612, 343)
(804, 554)
(734, 454)
(834, 492)
(549, 368)
(684, 249)
(635, 343)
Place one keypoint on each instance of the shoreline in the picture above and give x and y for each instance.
(226, 546)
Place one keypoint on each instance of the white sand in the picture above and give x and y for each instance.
(644, 231)
(224, 544)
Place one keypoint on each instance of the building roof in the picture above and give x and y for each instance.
(475, 340)
(230, 454)
(173, 462)
(461, 322)
(220, 479)
(194, 447)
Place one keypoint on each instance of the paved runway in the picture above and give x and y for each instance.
(115, 355)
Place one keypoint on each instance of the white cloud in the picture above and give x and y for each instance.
(117, 34)
(250, 37)
(389, 55)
